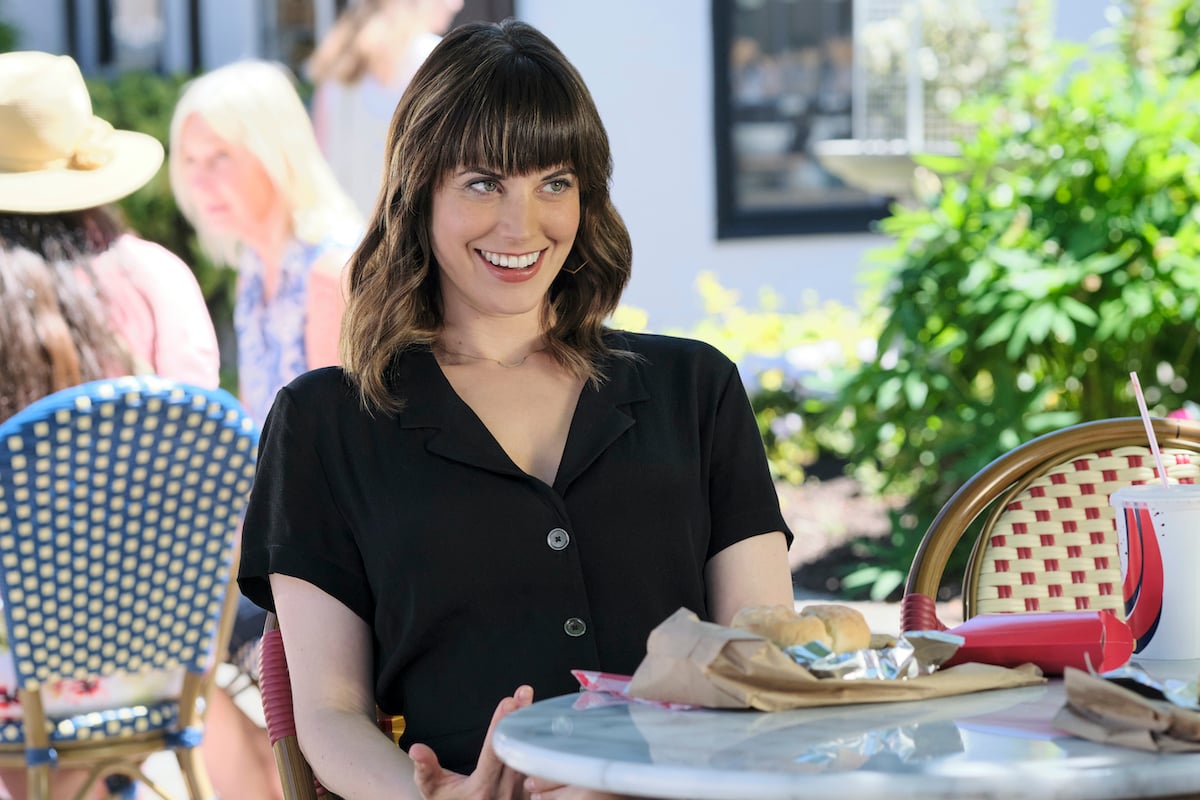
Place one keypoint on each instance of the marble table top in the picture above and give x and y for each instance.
(990, 745)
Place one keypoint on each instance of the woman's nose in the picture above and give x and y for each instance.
(518, 215)
(200, 178)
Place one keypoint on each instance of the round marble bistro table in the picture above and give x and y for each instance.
(997, 744)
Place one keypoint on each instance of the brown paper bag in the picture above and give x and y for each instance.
(1106, 712)
(689, 661)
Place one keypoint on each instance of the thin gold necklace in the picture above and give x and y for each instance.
(498, 362)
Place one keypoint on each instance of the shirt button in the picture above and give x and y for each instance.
(575, 627)
(558, 539)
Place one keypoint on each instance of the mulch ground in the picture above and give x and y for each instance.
(830, 518)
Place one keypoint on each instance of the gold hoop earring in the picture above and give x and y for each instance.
(581, 265)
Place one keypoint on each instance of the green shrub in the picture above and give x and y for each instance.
(1061, 252)
(10, 37)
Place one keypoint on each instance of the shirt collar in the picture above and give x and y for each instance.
(602, 415)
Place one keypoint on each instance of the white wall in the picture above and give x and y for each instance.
(38, 29)
(229, 31)
(649, 66)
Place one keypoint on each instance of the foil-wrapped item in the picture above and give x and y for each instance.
(1182, 693)
(914, 653)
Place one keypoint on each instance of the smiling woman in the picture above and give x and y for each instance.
(494, 478)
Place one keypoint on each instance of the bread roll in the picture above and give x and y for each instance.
(847, 626)
(840, 628)
(782, 625)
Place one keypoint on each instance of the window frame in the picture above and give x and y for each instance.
(734, 221)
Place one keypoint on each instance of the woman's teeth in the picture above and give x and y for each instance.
(509, 261)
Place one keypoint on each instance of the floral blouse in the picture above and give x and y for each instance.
(271, 334)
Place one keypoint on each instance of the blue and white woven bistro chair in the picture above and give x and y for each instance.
(120, 503)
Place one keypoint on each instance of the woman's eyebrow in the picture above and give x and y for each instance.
(476, 170)
(558, 173)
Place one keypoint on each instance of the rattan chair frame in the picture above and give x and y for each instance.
(274, 681)
(123, 754)
(993, 488)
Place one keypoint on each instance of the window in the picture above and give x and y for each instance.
(783, 80)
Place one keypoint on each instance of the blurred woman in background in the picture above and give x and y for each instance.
(360, 69)
(247, 173)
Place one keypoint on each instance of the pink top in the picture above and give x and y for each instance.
(156, 307)
(159, 312)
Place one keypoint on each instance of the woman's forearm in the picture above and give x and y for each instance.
(353, 758)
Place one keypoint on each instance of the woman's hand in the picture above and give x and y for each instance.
(492, 778)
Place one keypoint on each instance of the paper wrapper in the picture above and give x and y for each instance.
(1104, 711)
(699, 663)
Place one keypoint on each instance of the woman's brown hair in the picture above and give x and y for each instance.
(54, 330)
(501, 96)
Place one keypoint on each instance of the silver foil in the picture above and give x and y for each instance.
(915, 653)
(1185, 694)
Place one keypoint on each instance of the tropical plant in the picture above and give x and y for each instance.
(1061, 251)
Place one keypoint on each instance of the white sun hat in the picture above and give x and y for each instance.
(55, 154)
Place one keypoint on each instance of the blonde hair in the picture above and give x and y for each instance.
(254, 104)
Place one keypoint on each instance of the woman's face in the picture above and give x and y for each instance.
(501, 240)
(232, 192)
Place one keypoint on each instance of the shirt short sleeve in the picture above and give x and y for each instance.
(293, 525)
(743, 497)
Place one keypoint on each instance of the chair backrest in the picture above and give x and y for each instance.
(1048, 542)
(119, 504)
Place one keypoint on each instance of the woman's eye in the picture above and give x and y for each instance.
(558, 185)
(485, 185)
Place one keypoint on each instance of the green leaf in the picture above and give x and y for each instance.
(1000, 330)
(1078, 311)
(886, 582)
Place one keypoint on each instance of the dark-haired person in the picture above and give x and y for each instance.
(495, 488)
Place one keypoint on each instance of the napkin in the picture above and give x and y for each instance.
(1106, 712)
(703, 664)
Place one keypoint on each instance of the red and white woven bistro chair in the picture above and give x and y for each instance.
(1048, 540)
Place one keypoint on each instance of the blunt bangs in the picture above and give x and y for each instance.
(520, 118)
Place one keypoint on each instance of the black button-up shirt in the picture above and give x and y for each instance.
(476, 577)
